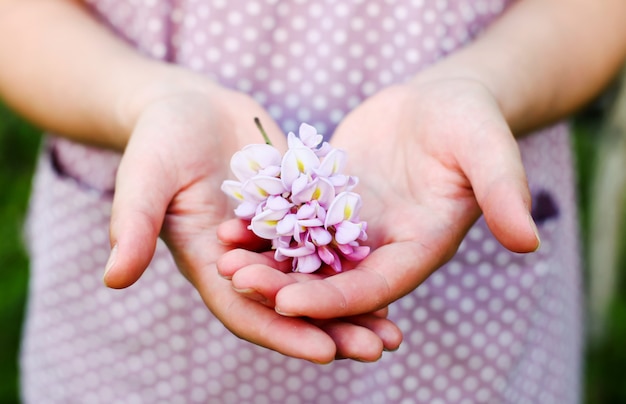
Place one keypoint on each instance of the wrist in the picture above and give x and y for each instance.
(466, 73)
(159, 82)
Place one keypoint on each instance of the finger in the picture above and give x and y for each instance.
(235, 232)
(382, 313)
(234, 260)
(261, 325)
(354, 342)
(262, 283)
(296, 337)
(385, 333)
(506, 210)
(386, 330)
(495, 170)
(143, 191)
(386, 275)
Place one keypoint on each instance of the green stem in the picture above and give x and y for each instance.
(257, 121)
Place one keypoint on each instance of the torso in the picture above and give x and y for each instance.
(489, 326)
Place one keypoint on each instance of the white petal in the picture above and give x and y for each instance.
(320, 189)
(299, 185)
(294, 141)
(306, 211)
(264, 224)
(310, 222)
(324, 192)
(333, 163)
(286, 226)
(299, 251)
(275, 202)
(233, 189)
(300, 160)
(344, 207)
(246, 210)
(253, 158)
(261, 187)
(324, 149)
(309, 136)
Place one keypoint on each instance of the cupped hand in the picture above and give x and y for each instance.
(168, 185)
(430, 157)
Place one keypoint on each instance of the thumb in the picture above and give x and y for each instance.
(506, 210)
(142, 195)
(499, 182)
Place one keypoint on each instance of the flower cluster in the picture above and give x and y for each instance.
(300, 201)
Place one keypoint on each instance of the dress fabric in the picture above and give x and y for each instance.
(491, 326)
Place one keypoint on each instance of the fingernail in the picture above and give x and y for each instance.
(284, 314)
(223, 243)
(111, 261)
(533, 225)
(252, 295)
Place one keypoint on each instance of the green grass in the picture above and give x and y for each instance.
(18, 147)
(605, 359)
(605, 382)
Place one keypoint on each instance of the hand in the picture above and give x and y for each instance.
(429, 156)
(168, 184)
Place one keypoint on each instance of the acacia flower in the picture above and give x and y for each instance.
(301, 201)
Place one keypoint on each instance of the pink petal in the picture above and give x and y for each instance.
(347, 232)
(320, 236)
(345, 249)
(358, 253)
(330, 257)
(307, 264)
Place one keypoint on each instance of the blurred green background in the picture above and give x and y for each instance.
(18, 147)
(604, 377)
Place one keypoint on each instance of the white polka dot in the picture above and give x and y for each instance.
(469, 280)
(413, 360)
(410, 384)
(451, 317)
(423, 394)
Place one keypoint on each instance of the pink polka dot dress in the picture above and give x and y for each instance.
(489, 327)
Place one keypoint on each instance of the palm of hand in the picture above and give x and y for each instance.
(428, 158)
(168, 184)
